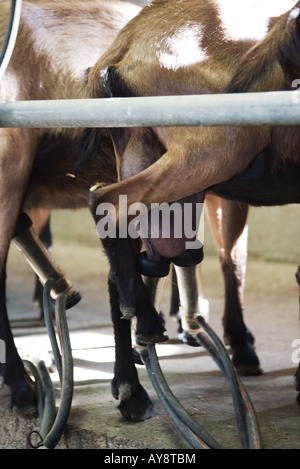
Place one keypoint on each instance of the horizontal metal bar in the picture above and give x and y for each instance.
(269, 108)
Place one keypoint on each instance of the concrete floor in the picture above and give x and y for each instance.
(271, 312)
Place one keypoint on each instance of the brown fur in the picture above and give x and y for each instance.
(135, 63)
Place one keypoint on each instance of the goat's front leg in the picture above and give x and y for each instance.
(132, 293)
(135, 403)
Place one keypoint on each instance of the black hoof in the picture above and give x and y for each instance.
(246, 362)
(23, 397)
(249, 370)
(138, 407)
(298, 399)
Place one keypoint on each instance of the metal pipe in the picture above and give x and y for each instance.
(190, 301)
(29, 244)
(264, 108)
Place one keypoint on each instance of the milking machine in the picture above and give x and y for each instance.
(56, 286)
(196, 326)
(38, 257)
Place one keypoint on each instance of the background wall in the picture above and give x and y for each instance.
(274, 233)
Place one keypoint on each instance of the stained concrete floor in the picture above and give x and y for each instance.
(271, 312)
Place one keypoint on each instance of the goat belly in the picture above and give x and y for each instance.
(264, 183)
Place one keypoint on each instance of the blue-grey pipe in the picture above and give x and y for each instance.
(243, 109)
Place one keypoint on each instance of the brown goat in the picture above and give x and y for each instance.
(191, 47)
(37, 165)
(222, 152)
(50, 168)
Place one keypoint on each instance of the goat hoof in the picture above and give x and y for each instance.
(246, 361)
(23, 398)
(298, 399)
(139, 407)
(249, 370)
(128, 312)
(27, 412)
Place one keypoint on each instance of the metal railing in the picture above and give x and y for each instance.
(245, 109)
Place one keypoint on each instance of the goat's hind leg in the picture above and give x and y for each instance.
(13, 372)
(14, 375)
(17, 163)
(228, 222)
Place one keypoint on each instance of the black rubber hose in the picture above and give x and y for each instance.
(195, 436)
(245, 413)
(67, 383)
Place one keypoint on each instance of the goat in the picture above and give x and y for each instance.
(38, 164)
(42, 169)
(188, 47)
